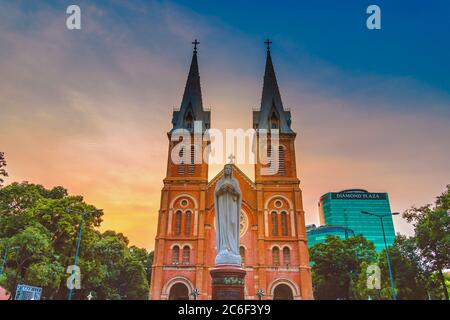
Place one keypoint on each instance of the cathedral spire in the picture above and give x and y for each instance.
(271, 114)
(191, 108)
(192, 91)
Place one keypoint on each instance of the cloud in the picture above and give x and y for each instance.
(90, 109)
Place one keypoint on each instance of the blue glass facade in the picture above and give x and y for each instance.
(319, 234)
(344, 209)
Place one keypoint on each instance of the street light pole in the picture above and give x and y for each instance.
(394, 295)
(80, 233)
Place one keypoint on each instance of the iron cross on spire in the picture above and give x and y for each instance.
(195, 43)
(268, 43)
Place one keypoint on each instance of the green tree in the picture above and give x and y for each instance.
(145, 258)
(408, 272)
(337, 265)
(3, 172)
(432, 231)
(40, 231)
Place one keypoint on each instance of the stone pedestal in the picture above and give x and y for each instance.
(228, 282)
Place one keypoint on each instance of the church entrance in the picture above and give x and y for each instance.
(283, 292)
(179, 291)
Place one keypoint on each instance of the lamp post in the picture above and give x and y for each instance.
(260, 294)
(80, 233)
(394, 295)
(195, 293)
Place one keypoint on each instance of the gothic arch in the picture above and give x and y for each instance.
(274, 118)
(289, 283)
(189, 118)
(169, 284)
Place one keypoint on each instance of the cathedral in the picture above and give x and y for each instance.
(273, 244)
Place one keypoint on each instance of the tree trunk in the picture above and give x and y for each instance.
(444, 287)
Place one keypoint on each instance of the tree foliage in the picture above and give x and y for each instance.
(3, 172)
(337, 265)
(432, 230)
(39, 231)
(409, 275)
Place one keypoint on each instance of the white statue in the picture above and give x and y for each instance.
(227, 205)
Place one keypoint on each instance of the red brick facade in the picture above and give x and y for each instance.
(273, 236)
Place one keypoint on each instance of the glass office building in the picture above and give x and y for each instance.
(319, 234)
(344, 209)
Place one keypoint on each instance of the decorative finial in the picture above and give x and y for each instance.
(195, 43)
(268, 43)
(231, 157)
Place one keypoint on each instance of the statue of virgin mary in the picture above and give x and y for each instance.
(227, 205)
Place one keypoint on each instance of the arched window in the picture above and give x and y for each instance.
(286, 256)
(192, 162)
(276, 256)
(181, 162)
(281, 161)
(187, 223)
(189, 120)
(274, 220)
(274, 121)
(176, 255)
(242, 253)
(284, 223)
(178, 223)
(186, 254)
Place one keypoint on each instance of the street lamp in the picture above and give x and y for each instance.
(394, 295)
(260, 294)
(80, 233)
(195, 293)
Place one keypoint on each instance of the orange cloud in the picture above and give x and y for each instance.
(90, 111)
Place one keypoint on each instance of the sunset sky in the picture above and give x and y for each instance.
(90, 109)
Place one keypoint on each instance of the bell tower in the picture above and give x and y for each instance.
(179, 242)
(279, 197)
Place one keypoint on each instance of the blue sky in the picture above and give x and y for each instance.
(414, 40)
(371, 108)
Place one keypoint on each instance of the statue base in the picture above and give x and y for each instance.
(228, 282)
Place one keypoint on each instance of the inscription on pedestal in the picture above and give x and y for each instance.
(228, 283)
